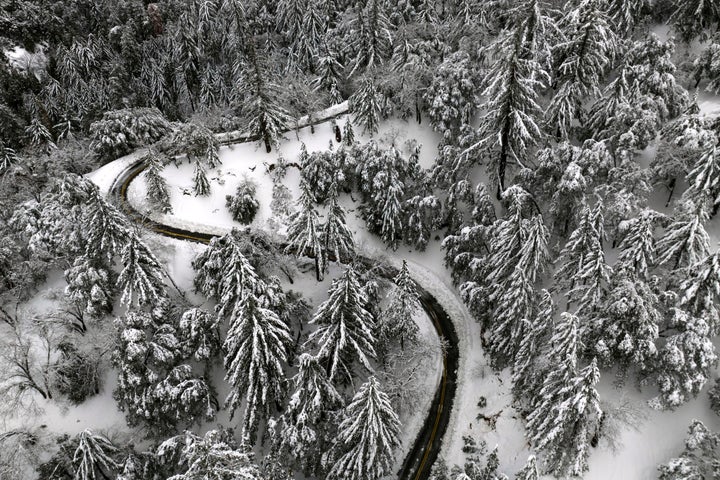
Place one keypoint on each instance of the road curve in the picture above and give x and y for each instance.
(426, 447)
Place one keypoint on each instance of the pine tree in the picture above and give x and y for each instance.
(422, 216)
(304, 235)
(157, 190)
(366, 106)
(567, 418)
(529, 471)
(627, 326)
(489, 472)
(514, 306)
(685, 241)
(199, 334)
(302, 431)
(89, 285)
(337, 239)
(154, 387)
(93, 457)
(348, 133)
(695, 17)
(290, 15)
(701, 290)
(373, 41)
(201, 184)
(698, 460)
(255, 351)
(224, 273)
(141, 278)
(345, 327)
(685, 362)
(510, 125)
(451, 96)
(367, 437)
(397, 320)
(329, 75)
(627, 13)
(107, 230)
(243, 206)
(637, 248)
(213, 456)
(529, 363)
(585, 57)
(268, 119)
(704, 179)
(563, 352)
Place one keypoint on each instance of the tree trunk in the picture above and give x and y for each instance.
(672, 190)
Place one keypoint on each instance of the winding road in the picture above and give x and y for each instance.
(426, 447)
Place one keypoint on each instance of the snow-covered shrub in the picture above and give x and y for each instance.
(698, 460)
(77, 376)
(714, 394)
(243, 206)
(119, 132)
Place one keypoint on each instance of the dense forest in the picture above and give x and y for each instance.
(573, 193)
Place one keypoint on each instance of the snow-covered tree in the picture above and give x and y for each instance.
(564, 436)
(303, 430)
(396, 321)
(706, 65)
(213, 456)
(451, 96)
(563, 351)
(529, 471)
(700, 290)
(698, 460)
(289, 17)
(199, 334)
(584, 273)
(119, 132)
(585, 57)
(373, 40)
(243, 205)
(626, 328)
(107, 230)
(196, 142)
(201, 184)
(348, 133)
(224, 273)
(366, 105)
(529, 363)
(385, 177)
(153, 387)
(268, 119)
(141, 278)
(345, 327)
(519, 254)
(93, 457)
(685, 362)
(637, 248)
(337, 239)
(695, 17)
(510, 125)
(255, 350)
(685, 241)
(157, 190)
(367, 436)
(89, 285)
(304, 231)
(704, 178)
